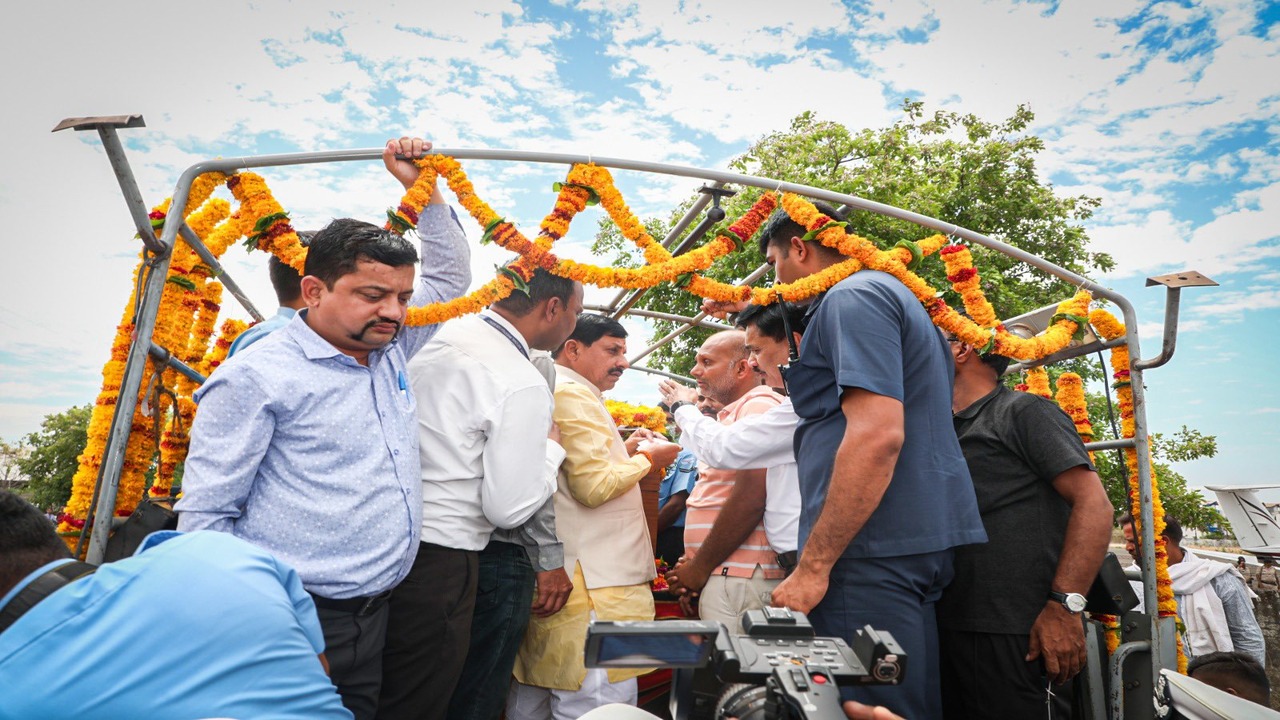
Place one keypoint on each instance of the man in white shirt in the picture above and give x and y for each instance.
(757, 441)
(489, 460)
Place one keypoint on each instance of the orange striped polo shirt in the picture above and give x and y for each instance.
(712, 490)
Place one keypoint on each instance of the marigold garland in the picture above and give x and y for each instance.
(1109, 328)
(1071, 399)
(191, 298)
(1037, 382)
(626, 415)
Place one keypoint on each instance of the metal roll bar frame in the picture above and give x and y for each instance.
(160, 249)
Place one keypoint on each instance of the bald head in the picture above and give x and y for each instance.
(721, 367)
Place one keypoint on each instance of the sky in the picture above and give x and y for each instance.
(1164, 110)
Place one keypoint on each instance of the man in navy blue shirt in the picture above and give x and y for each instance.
(886, 495)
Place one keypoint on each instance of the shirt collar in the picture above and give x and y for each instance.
(567, 374)
(756, 391)
(315, 347)
(286, 312)
(510, 328)
(976, 406)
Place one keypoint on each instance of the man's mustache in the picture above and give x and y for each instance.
(380, 321)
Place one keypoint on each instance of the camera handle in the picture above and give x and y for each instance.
(798, 692)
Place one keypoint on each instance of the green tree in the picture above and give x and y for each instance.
(957, 168)
(1179, 501)
(53, 456)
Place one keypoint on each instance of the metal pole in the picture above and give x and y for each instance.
(1172, 301)
(708, 324)
(1118, 659)
(664, 373)
(127, 401)
(189, 236)
(227, 165)
(695, 320)
(129, 188)
(1145, 477)
(667, 242)
(165, 356)
(1109, 444)
(1067, 354)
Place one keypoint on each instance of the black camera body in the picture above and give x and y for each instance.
(778, 669)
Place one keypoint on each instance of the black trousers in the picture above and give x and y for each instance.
(985, 675)
(670, 544)
(353, 645)
(504, 597)
(428, 629)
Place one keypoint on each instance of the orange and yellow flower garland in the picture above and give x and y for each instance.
(637, 416)
(271, 231)
(190, 302)
(1109, 328)
(1037, 382)
(1070, 397)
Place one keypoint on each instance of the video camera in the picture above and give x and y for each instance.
(777, 670)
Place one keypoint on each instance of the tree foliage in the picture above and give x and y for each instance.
(1184, 503)
(957, 168)
(960, 169)
(53, 455)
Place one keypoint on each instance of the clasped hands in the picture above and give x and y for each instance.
(661, 451)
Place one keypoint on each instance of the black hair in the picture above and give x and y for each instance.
(998, 363)
(1235, 670)
(781, 228)
(27, 540)
(591, 327)
(286, 281)
(768, 319)
(338, 246)
(542, 287)
(1172, 528)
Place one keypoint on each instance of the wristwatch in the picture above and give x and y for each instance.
(679, 404)
(1073, 602)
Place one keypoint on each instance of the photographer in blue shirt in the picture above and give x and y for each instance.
(244, 644)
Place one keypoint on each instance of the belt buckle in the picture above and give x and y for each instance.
(368, 605)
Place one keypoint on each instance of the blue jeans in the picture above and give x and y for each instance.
(897, 594)
(504, 596)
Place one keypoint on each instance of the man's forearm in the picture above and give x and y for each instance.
(738, 517)
(863, 468)
(671, 511)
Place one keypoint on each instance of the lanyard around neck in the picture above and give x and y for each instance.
(497, 325)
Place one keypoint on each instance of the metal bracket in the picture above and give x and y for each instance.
(106, 126)
(1173, 282)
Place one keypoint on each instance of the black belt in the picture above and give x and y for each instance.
(358, 606)
(788, 560)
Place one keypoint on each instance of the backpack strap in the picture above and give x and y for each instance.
(41, 588)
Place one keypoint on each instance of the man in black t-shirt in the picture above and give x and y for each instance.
(1010, 623)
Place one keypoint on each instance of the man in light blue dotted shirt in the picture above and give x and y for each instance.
(307, 446)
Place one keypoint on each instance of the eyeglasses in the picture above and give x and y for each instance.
(952, 339)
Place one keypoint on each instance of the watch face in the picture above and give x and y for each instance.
(1075, 602)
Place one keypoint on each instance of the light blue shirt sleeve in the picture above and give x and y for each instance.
(445, 272)
(232, 431)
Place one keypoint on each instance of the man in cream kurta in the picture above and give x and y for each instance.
(600, 519)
